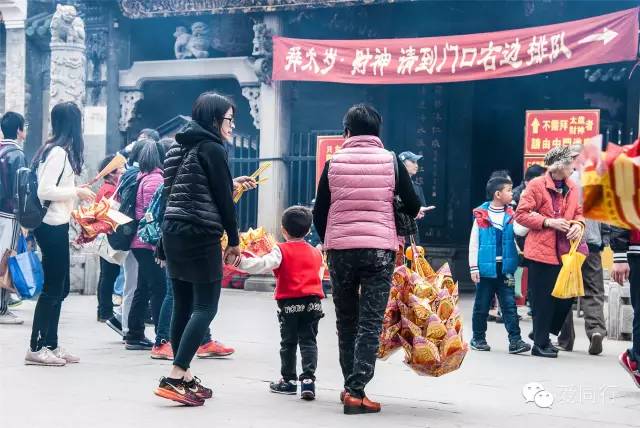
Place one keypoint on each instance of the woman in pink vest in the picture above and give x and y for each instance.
(354, 217)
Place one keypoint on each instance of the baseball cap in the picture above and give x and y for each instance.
(409, 156)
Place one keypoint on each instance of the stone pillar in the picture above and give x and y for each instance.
(273, 196)
(15, 66)
(68, 60)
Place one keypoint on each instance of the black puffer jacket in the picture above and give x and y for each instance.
(198, 184)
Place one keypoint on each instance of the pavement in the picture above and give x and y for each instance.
(112, 387)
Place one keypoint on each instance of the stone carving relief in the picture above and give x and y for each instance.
(128, 102)
(252, 94)
(262, 52)
(67, 26)
(195, 44)
(68, 60)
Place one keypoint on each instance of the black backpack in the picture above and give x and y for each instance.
(5, 171)
(122, 237)
(30, 210)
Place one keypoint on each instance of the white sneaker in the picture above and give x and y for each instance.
(43, 357)
(10, 318)
(62, 353)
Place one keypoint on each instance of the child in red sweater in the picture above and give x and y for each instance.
(298, 268)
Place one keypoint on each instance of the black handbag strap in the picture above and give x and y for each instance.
(395, 171)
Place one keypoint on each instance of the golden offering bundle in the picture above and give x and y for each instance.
(237, 194)
(611, 191)
(94, 220)
(422, 318)
(255, 241)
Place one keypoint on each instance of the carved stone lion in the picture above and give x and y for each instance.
(66, 26)
(194, 45)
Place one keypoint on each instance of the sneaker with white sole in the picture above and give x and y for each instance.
(62, 353)
(43, 357)
(10, 318)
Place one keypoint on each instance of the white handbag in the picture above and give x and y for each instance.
(105, 251)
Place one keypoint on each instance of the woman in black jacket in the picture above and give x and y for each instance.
(200, 208)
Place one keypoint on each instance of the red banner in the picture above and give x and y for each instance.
(325, 148)
(546, 129)
(597, 40)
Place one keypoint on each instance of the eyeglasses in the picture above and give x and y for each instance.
(231, 120)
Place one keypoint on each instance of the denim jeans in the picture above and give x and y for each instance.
(164, 320)
(485, 290)
(118, 286)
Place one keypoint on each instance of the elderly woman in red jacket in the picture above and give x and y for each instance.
(547, 208)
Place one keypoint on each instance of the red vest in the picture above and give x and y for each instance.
(299, 273)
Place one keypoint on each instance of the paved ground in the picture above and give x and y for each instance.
(112, 387)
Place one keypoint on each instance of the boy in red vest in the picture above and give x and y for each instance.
(298, 268)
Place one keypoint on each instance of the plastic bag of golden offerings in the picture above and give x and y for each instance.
(423, 319)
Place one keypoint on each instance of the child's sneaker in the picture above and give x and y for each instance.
(308, 390)
(284, 387)
(480, 345)
(519, 346)
(631, 366)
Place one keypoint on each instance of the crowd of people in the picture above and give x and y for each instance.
(172, 277)
(530, 227)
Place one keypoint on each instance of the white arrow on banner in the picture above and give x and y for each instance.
(606, 36)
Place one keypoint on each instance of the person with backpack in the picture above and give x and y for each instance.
(126, 196)
(12, 158)
(57, 163)
(108, 271)
(151, 277)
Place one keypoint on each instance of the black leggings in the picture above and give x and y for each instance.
(152, 284)
(54, 245)
(108, 274)
(194, 307)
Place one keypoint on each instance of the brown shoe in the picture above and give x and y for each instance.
(357, 406)
(342, 394)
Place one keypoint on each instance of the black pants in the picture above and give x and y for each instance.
(152, 284)
(549, 312)
(299, 320)
(592, 303)
(108, 274)
(361, 281)
(54, 245)
(194, 307)
(634, 280)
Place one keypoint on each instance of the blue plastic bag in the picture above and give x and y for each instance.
(26, 271)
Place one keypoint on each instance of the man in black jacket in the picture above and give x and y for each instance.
(626, 266)
(11, 159)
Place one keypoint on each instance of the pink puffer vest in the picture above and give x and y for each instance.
(362, 182)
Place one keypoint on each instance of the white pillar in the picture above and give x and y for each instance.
(14, 20)
(274, 143)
